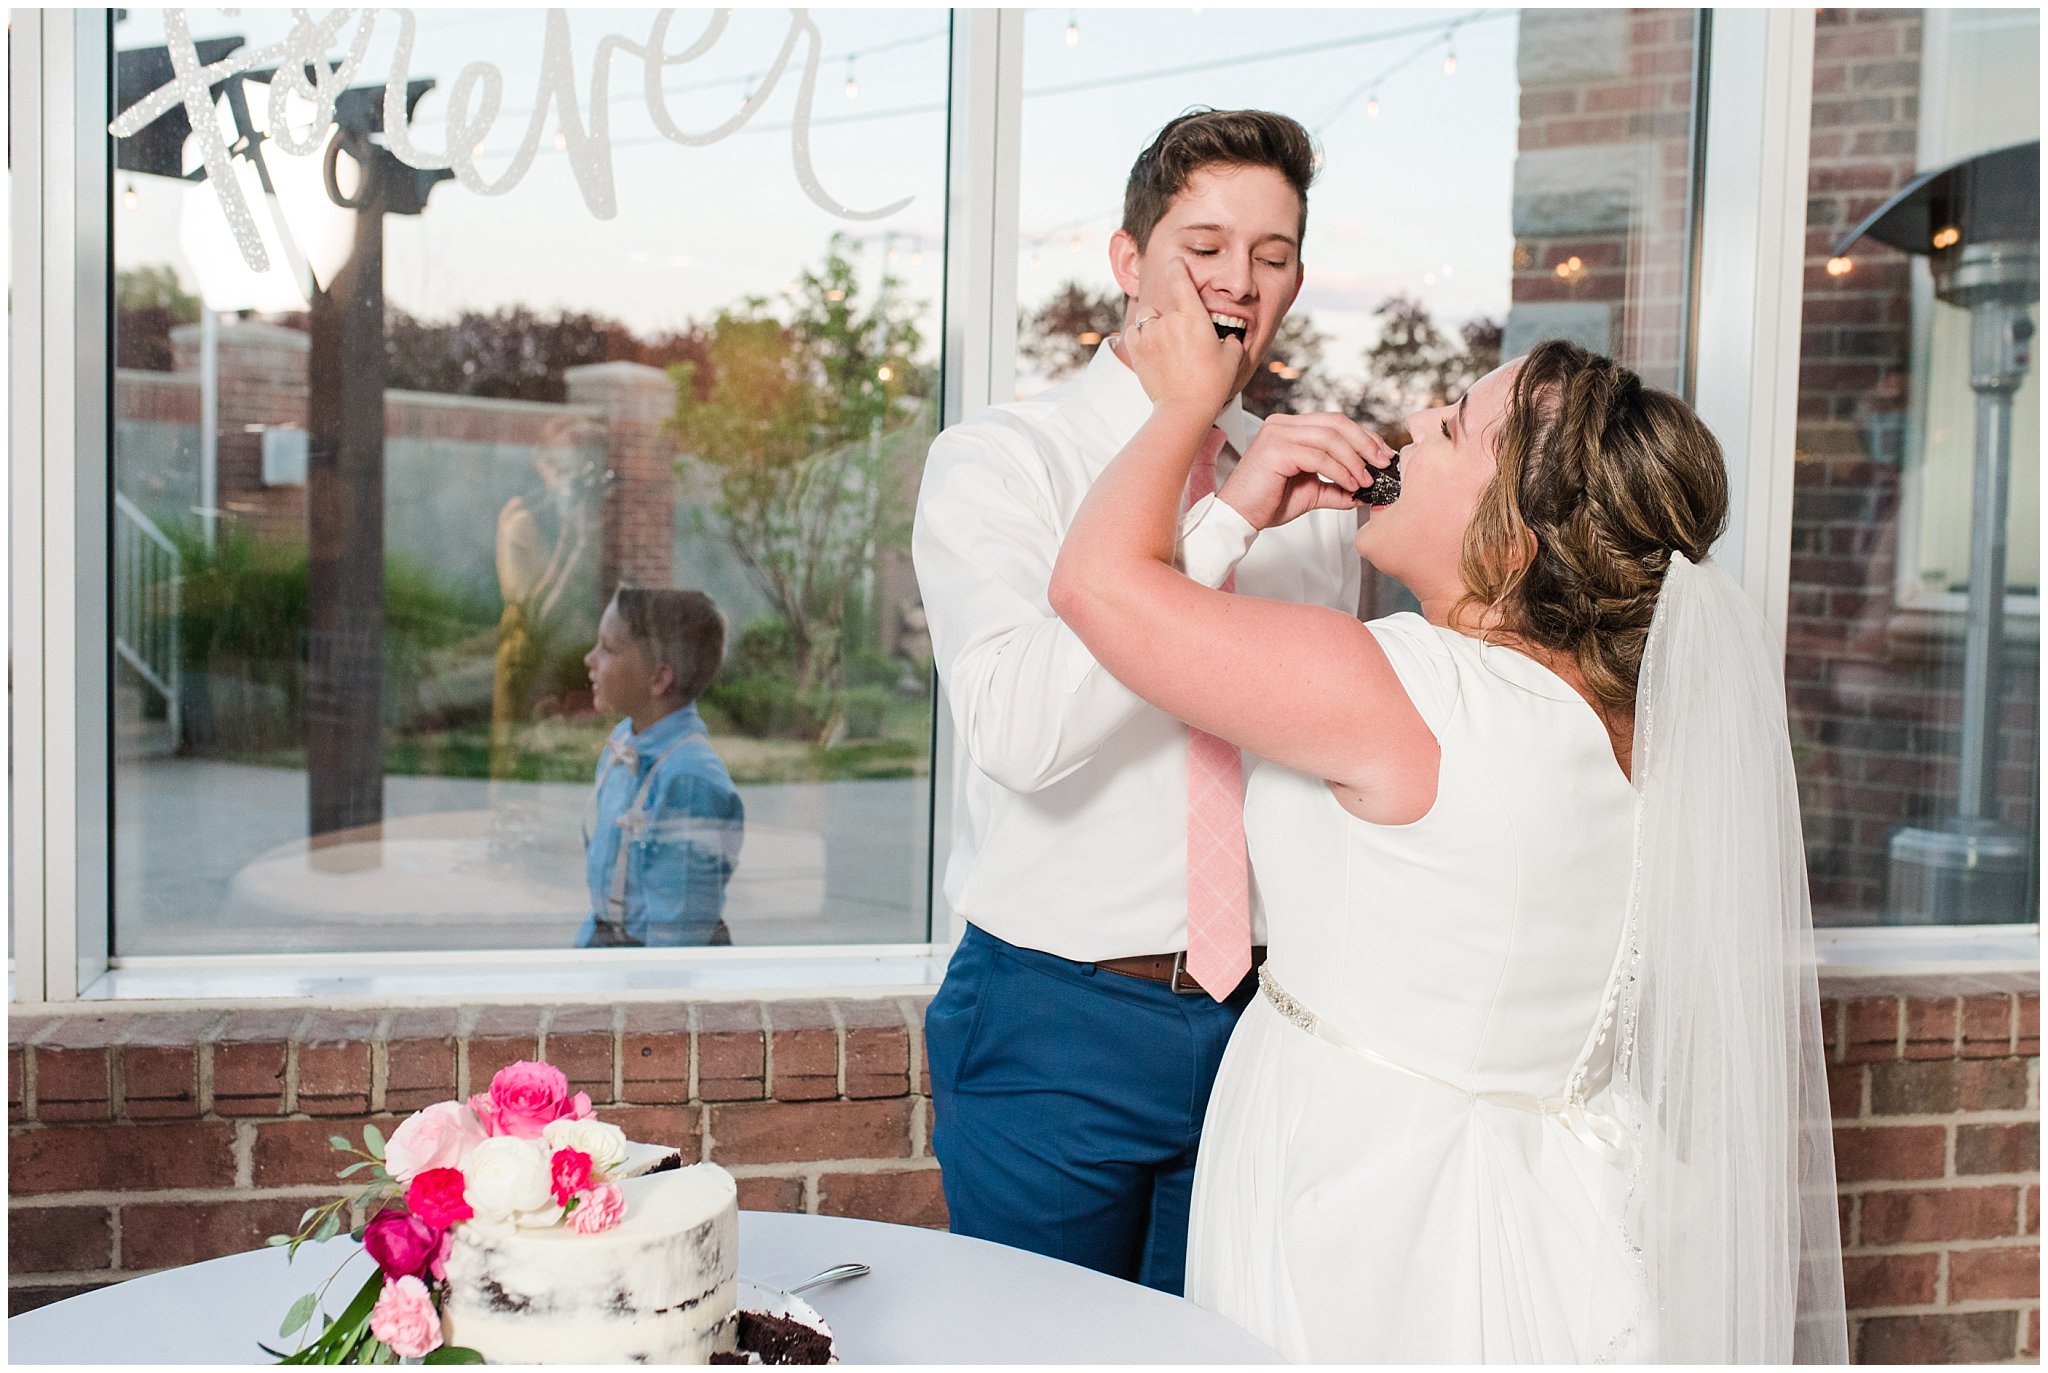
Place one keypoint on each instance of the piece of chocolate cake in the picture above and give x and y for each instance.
(777, 1340)
(1386, 485)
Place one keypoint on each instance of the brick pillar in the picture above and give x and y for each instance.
(638, 539)
(263, 372)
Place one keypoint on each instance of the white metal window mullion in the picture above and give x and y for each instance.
(980, 331)
(26, 811)
(1752, 257)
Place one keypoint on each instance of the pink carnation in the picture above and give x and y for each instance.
(568, 1174)
(600, 1208)
(525, 1096)
(404, 1318)
(436, 1197)
(441, 1136)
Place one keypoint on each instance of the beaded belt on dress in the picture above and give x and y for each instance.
(1603, 1134)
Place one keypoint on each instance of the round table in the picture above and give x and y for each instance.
(932, 1298)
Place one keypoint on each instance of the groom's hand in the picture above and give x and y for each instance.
(1300, 463)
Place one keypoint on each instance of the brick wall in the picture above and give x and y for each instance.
(145, 1141)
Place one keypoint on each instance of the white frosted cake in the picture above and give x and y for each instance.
(659, 1287)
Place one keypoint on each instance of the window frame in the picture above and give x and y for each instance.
(1750, 165)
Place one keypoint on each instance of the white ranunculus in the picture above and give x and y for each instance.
(606, 1144)
(506, 1175)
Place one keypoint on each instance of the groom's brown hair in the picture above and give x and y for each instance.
(1215, 138)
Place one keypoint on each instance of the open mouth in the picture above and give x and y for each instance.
(1386, 485)
(1228, 326)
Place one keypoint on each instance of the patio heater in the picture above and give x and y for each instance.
(1978, 221)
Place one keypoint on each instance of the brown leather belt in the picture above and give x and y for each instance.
(1170, 968)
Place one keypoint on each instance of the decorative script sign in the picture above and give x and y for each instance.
(303, 69)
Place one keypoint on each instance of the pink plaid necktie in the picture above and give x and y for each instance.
(1219, 890)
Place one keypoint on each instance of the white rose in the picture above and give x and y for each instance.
(606, 1144)
(506, 1175)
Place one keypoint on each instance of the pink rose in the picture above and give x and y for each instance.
(600, 1208)
(437, 1266)
(525, 1096)
(404, 1318)
(439, 1137)
(403, 1245)
(568, 1174)
(436, 1197)
(486, 1114)
(579, 1107)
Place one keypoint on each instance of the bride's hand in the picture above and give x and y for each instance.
(1174, 349)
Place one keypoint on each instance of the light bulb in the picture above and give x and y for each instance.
(129, 199)
(1948, 238)
(917, 258)
(883, 373)
(1839, 266)
(1372, 107)
(1073, 33)
(561, 141)
(1450, 62)
(852, 86)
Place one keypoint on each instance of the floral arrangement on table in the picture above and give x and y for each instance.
(525, 1153)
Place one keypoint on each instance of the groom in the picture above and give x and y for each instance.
(1098, 850)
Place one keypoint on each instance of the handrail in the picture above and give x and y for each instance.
(148, 604)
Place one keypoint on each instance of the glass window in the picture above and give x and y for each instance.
(1489, 180)
(407, 388)
(1913, 680)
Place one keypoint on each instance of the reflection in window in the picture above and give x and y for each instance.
(384, 452)
(1913, 815)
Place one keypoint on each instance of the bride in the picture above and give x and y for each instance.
(1535, 1075)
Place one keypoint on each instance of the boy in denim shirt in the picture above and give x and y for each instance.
(666, 823)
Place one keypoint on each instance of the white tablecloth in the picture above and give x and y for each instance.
(932, 1298)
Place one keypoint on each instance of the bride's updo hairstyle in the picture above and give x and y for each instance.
(1599, 479)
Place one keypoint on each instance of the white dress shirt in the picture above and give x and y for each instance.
(1070, 806)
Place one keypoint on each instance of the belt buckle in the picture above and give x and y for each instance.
(1174, 983)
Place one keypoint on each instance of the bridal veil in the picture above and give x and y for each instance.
(1731, 1210)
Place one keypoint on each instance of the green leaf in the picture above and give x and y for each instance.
(373, 1139)
(276, 1240)
(355, 1168)
(330, 1226)
(341, 1142)
(358, 1233)
(307, 1215)
(453, 1353)
(301, 1312)
(277, 1354)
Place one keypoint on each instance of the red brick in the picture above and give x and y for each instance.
(805, 1043)
(798, 1132)
(2029, 1027)
(291, 1153)
(877, 1049)
(1994, 1274)
(1957, 1213)
(176, 1233)
(59, 1239)
(771, 1194)
(1903, 1088)
(1890, 1280)
(17, 1085)
(334, 1063)
(502, 1036)
(71, 1084)
(732, 1056)
(1992, 1084)
(1998, 1148)
(120, 1158)
(249, 1062)
(1978, 1337)
(654, 1052)
(1845, 1090)
(2032, 1349)
(2031, 1222)
(917, 1009)
(1890, 1152)
(580, 1044)
(1931, 1028)
(1987, 1026)
(1873, 1031)
(21, 1299)
(1830, 1011)
(159, 1080)
(677, 1127)
(909, 1197)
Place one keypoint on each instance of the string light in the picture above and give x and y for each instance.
(1948, 238)
(1450, 61)
(1074, 244)
(852, 86)
(1372, 106)
(1839, 266)
(884, 372)
(1073, 29)
(129, 199)
(561, 141)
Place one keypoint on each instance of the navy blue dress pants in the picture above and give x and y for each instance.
(1068, 1106)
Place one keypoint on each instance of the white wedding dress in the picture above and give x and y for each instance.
(1408, 1155)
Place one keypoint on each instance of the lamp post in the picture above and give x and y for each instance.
(1978, 221)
